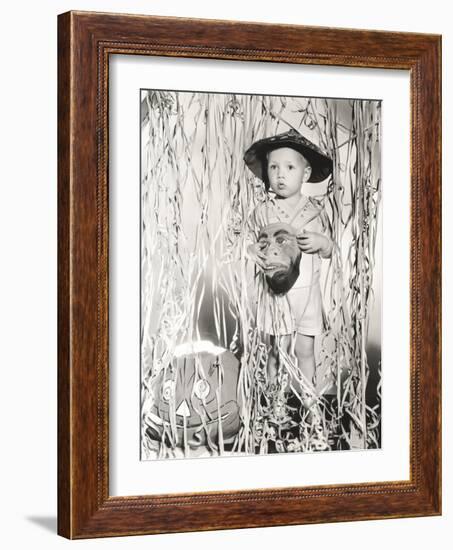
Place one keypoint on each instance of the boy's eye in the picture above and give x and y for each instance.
(280, 240)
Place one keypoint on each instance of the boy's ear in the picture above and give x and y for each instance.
(307, 172)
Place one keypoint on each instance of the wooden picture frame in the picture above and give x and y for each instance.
(85, 42)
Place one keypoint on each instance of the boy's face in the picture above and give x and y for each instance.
(287, 170)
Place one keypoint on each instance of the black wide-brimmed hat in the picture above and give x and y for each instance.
(321, 164)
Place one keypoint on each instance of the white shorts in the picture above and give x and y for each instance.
(299, 310)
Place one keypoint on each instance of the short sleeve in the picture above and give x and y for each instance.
(258, 219)
(314, 225)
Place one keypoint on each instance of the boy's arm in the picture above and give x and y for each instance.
(315, 237)
(241, 242)
(326, 230)
(326, 251)
(253, 249)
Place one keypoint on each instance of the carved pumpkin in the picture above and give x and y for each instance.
(195, 401)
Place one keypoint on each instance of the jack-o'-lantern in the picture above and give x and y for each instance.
(277, 243)
(195, 398)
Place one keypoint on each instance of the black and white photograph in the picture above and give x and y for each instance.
(260, 274)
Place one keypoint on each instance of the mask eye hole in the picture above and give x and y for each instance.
(168, 390)
(201, 389)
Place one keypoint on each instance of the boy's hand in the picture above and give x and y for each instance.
(255, 254)
(311, 243)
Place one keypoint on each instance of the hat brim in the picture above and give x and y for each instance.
(321, 164)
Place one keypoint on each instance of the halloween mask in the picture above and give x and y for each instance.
(195, 401)
(278, 243)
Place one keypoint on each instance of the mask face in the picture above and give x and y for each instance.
(278, 242)
(195, 395)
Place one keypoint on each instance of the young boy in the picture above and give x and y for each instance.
(285, 162)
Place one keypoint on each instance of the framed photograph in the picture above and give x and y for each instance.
(249, 275)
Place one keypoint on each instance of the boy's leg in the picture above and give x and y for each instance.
(279, 345)
(305, 353)
(278, 377)
(272, 362)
